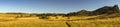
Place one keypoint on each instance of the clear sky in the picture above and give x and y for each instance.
(53, 6)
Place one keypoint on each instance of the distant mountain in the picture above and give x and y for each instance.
(99, 11)
(83, 12)
(107, 10)
(103, 10)
(80, 13)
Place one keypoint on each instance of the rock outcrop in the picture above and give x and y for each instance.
(103, 10)
(107, 10)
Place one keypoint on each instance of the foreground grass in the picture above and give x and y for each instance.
(32, 23)
(113, 22)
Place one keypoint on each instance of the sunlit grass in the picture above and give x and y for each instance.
(60, 22)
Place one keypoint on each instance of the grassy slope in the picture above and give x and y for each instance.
(43, 23)
(115, 22)
(32, 23)
(21, 22)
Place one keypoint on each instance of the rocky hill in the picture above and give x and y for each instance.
(80, 13)
(103, 10)
(107, 10)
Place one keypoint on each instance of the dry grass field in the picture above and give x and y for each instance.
(75, 22)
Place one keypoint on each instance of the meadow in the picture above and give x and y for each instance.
(75, 22)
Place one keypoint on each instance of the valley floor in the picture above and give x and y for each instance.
(113, 22)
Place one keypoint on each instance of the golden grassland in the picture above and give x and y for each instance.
(74, 21)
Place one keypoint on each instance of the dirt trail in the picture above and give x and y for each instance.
(68, 24)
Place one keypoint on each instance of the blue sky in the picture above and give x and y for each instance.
(53, 6)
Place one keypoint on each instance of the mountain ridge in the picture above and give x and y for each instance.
(99, 11)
